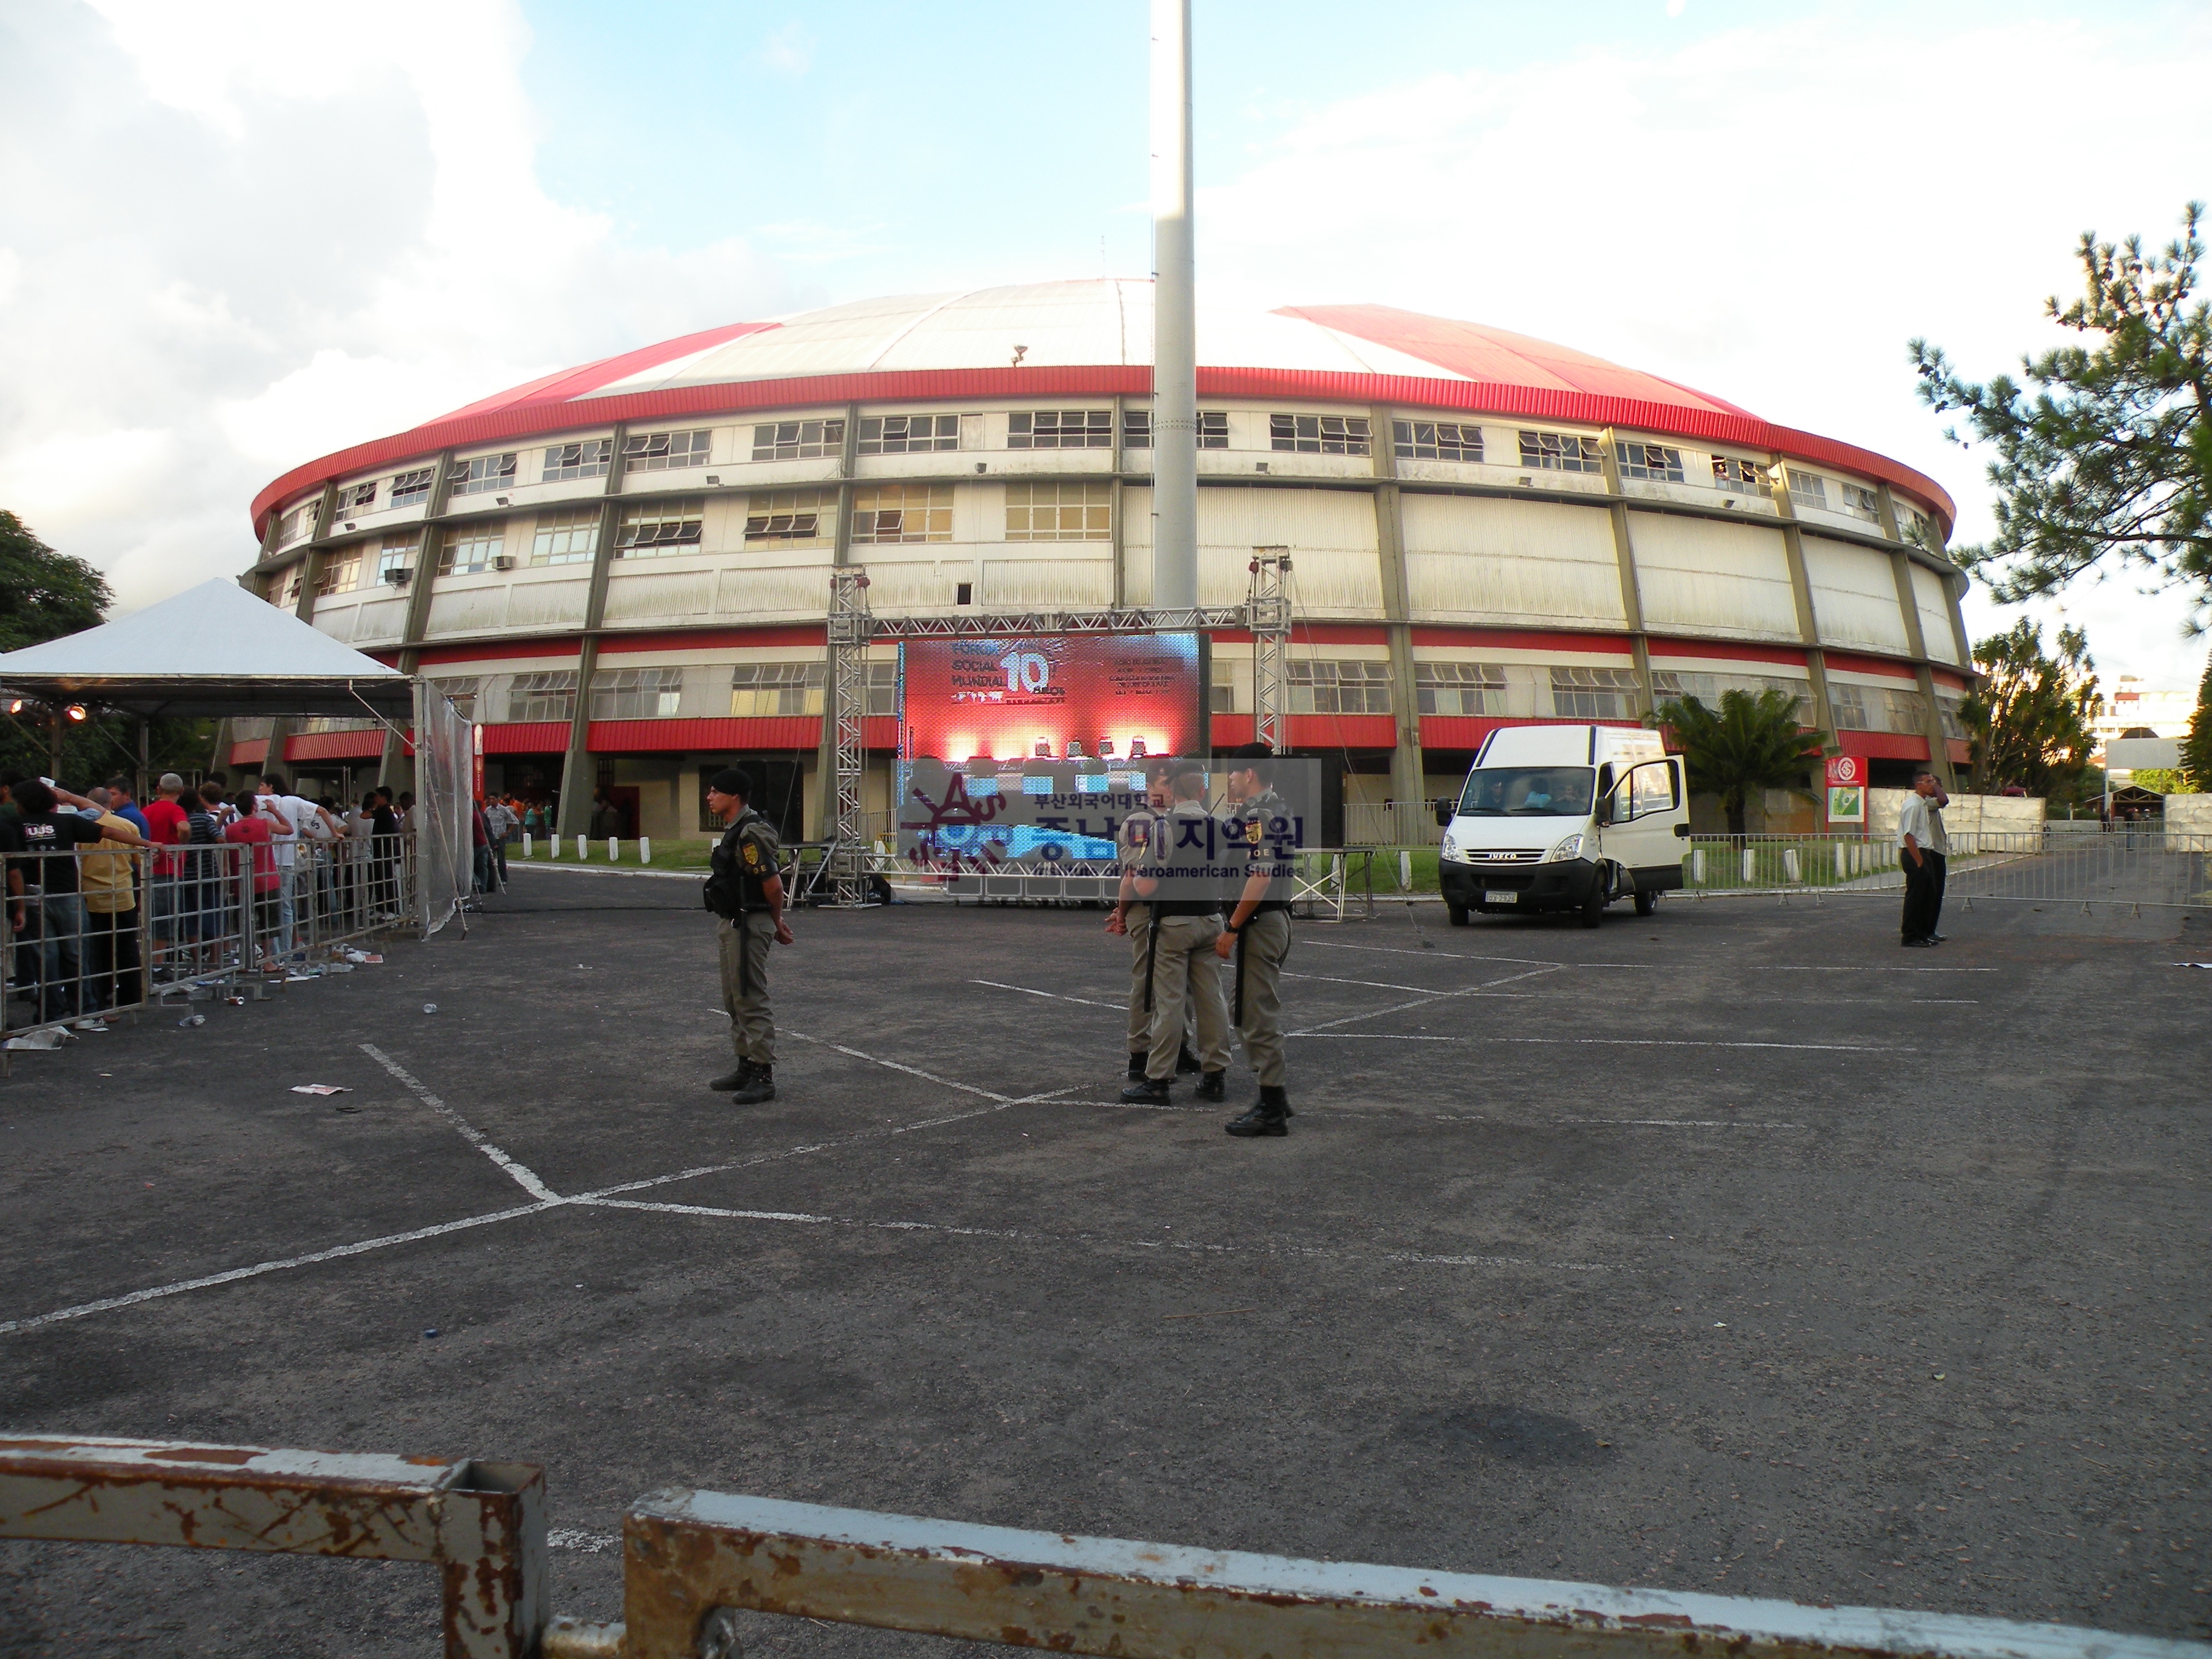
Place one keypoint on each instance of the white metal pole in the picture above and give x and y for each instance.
(1174, 327)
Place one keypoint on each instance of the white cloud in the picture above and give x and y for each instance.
(244, 233)
(789, 50)
(1767, 214)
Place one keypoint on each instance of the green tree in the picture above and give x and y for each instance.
(1753, 741)
(2197, 747)
(2030, 716)
(44, 594)
(2109, 460)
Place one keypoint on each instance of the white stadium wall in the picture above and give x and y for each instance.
(1514, 531)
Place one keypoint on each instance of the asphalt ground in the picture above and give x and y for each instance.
(1733, 1250)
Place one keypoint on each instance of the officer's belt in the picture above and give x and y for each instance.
(1186, 907)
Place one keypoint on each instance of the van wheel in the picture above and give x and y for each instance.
(1457, 913)
(1647, 901)
(1594, 906)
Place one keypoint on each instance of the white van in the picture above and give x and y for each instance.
(1565, 817)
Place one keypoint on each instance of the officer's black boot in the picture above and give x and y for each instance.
(759, 1087)
(736, 1079)
(1137, 1059)
(1270, 1116)
(1187, 1062)
(1213, 1085)
(1150, 1092)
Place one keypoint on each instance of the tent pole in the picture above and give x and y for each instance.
(144, 777)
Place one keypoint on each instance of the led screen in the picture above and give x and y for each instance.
(1081, 696)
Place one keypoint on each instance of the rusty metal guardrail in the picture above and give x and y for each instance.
(692, 1561)
(482, 1525)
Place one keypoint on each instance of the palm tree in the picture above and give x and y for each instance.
(1753, 742)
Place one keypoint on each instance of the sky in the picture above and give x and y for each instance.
(237, 234)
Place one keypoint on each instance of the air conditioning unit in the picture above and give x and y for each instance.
(503, 561)
(399, 578)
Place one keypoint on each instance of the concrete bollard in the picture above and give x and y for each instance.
(1697, 867)
(1405, 874)
(645, 849)
(1750, 866)
(526, 843)
(1792, 871)
(614, 850)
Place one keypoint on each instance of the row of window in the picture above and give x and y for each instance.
(1088, 428)
(759, 691)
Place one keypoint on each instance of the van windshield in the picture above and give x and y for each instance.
(1535, 791)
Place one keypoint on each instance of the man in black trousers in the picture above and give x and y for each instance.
(1923, 849)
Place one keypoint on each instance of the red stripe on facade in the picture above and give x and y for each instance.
(1852, 663)
(788, 733)
(1883, 746)
(334, 745)
(576, 382)
(1523, 639)
(1719, 651)
(538, 420)
(527, 737)
(564, 645)
(1445, 733)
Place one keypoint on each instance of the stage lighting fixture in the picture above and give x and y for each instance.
(76, 711)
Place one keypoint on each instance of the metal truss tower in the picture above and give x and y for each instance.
(1267, 614)
(850, 628)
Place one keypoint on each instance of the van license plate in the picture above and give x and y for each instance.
(1492, 896)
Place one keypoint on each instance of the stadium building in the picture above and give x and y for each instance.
(623, 570)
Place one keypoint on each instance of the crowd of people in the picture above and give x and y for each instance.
(108, 896)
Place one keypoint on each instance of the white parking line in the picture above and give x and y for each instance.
(522, 1173)
(1424, 1002)
(1602, 1042)
(1055, 996)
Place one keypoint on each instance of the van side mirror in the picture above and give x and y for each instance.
(1444, 814)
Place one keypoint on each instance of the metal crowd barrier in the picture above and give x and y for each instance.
(693, 1561)
(2137, 869)
(118, 931)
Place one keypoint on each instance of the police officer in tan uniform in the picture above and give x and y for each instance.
(1256, 937)
(746, 891)
(1185, 921)
(1133, 916)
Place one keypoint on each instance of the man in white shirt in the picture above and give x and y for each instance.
(1923, 849)
(292, 819)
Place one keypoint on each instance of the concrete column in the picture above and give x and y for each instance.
(396, 770)
(577, 777)
(841, 555)
(1900, 564)
(1120, 591)
(1631, 593)
(1407, 771)
(311, 572)
(1800, 592)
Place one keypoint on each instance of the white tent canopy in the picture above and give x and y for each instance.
(212, 651)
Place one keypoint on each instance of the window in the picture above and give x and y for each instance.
(1947, 710)
(791, 516)
(409, 487)
(356, 499)
(1668, 685)
(759, 691)
(882, 687)
(661, 527)
(1212, 428)
(395, 554)
(1436, 440)
(461, 691)
(798, 440)
(1861, 503)
(587, 460)
(483, 473)
(1650, 787)
(908, 435)
(1738, 477)
(341, 574)
(1223, 688)
(1060, 511)
(1808, 490)
(1904, 712)
(1594, 694)
(1061, 429)
(657, 452)
(317, 724)
(637, 693)
(1847, 705)
(1319, 434)
(472, 548)
(903, 513)
(1654, 462)
(1340, 688)
(548, 695)
(568, 537)
(284, 586)
(1561, 451)
(300, 521)
(1459, 688)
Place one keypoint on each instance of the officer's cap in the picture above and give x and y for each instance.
(732, 781)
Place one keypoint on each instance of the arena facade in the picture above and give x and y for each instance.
(623, 570)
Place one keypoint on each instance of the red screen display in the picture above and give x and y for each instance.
(1002, 697)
